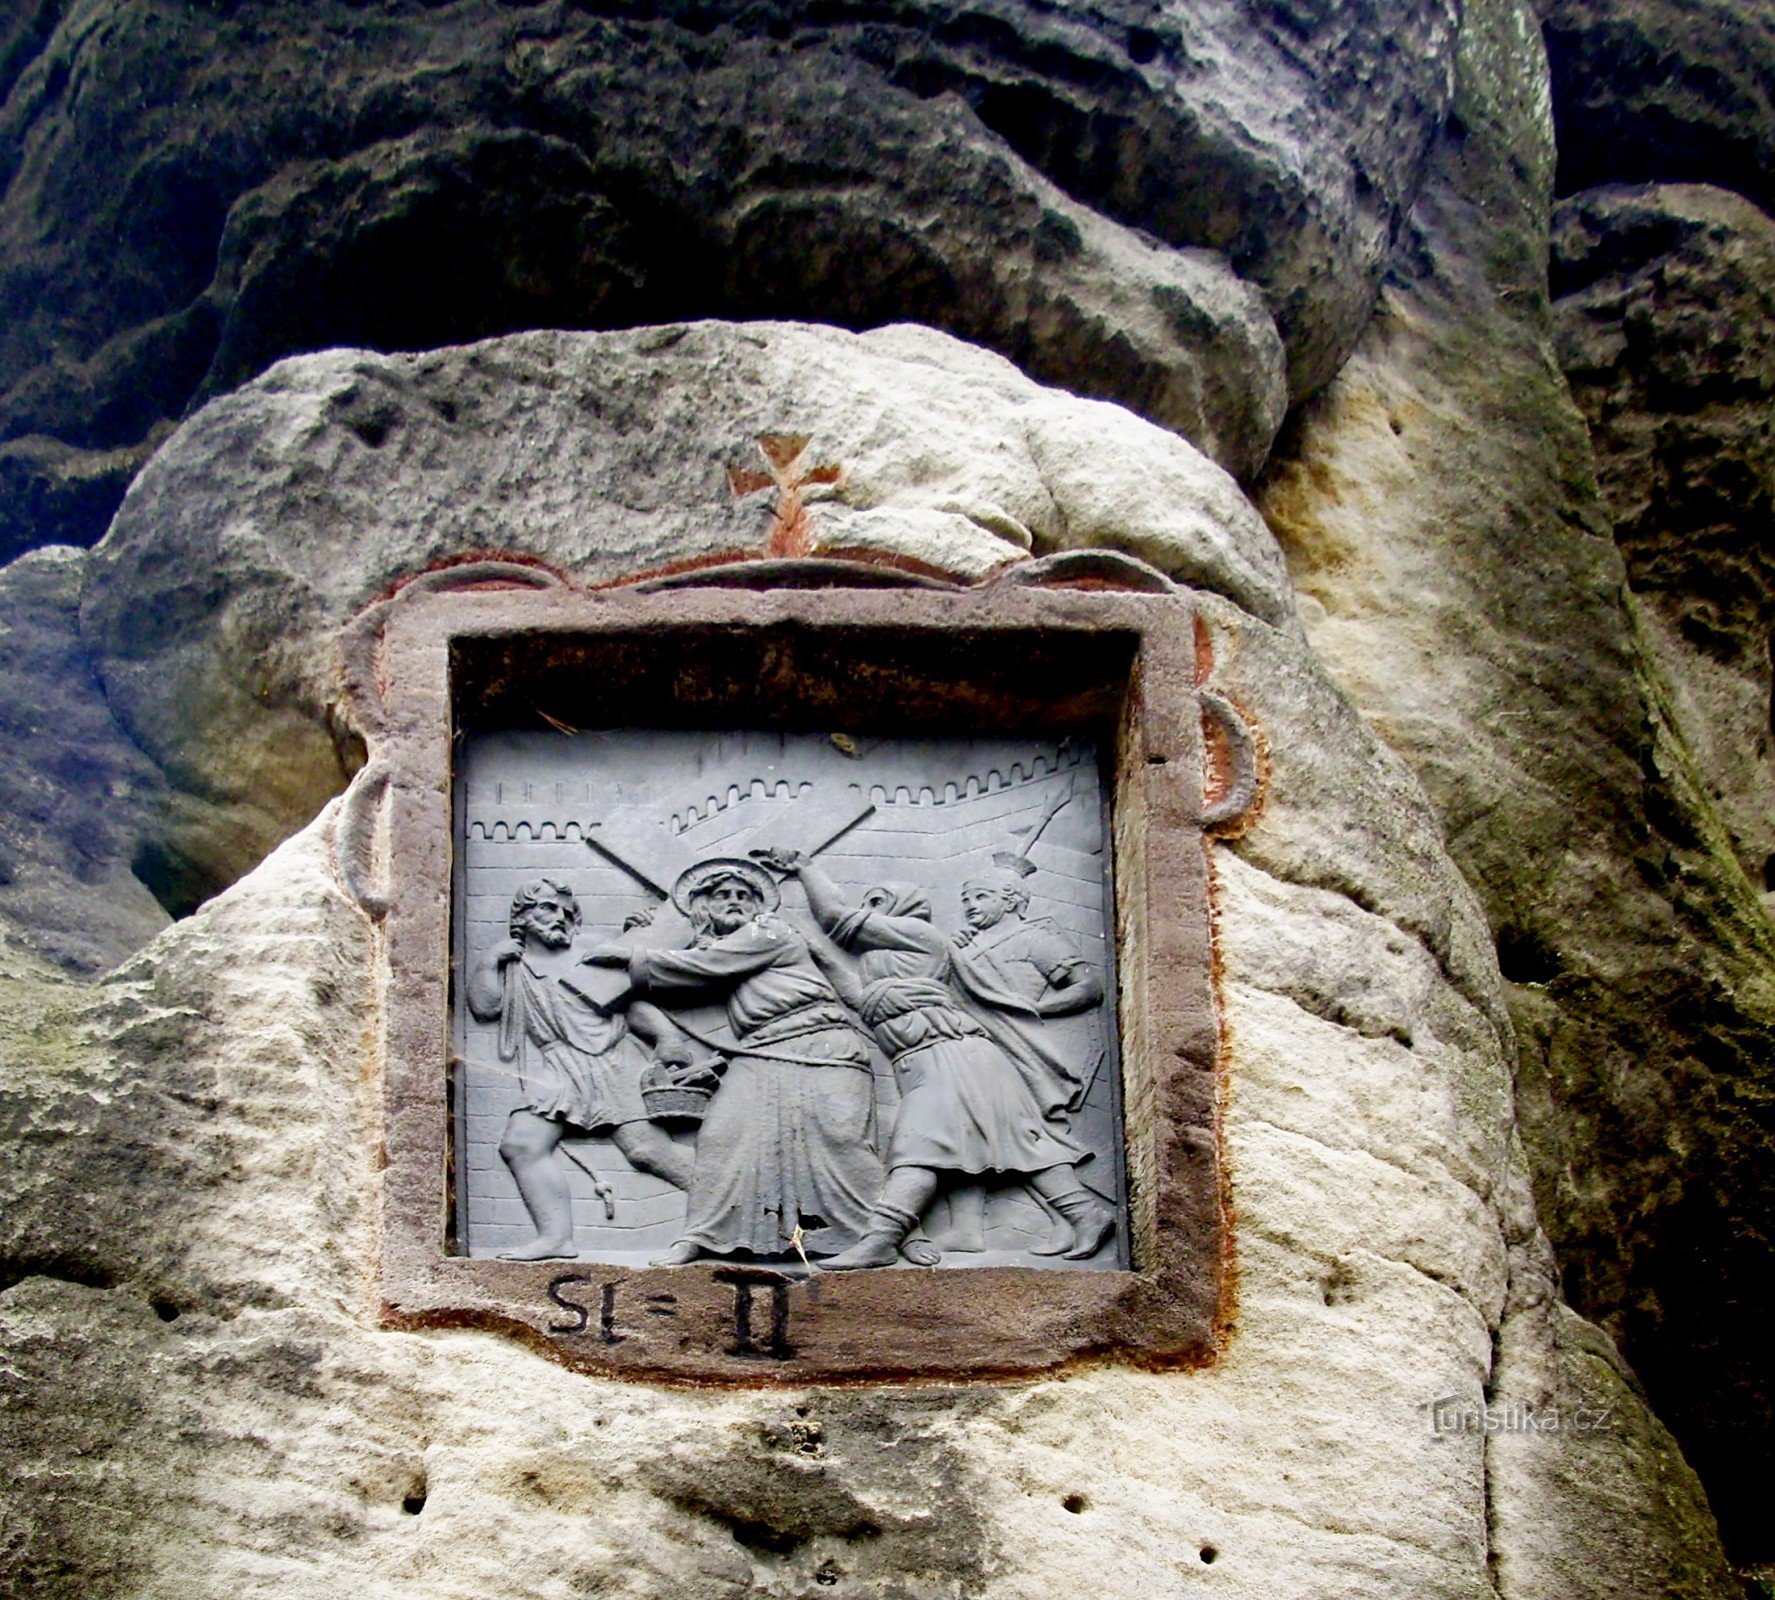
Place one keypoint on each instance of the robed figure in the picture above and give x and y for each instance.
(1017, 974)
(785, 1157)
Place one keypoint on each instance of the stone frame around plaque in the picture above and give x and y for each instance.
(1053, 649)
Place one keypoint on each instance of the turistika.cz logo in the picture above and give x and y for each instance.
(1459, 1414)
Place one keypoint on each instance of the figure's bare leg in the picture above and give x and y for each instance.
(1093, 1220)
(650, 1148)
(904, 1196)
(529, 1149)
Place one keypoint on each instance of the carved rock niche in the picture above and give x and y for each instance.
(802, 982)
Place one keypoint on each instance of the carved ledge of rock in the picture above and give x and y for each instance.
(1188, 215)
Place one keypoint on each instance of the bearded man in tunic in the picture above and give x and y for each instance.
(786, 1154)
(579, 1066)
(968, 1107)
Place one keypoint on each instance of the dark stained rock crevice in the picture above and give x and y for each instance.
(1667, 334)
(1666, 298)
(1663, 276)
(1663, 272)
(1505, 601)
(24, 36)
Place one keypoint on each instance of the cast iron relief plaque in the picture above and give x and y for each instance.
(800, 982)
(779, 997)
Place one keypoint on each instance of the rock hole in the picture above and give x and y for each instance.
(828, 1572)
(164, 1308)
(1524, 958)
(373, 429)
(761, 1536)
(1769, 873)
(1339, 1286)
(1143, 45)
(1156, 761)
(413, 1502)
(14, 1270)
(1075, 1503)
(1057, 238)
(180, 885)
(1209, 1554)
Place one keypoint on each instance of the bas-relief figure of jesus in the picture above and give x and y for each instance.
(786, 1156)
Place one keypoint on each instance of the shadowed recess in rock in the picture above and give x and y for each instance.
(1664, 91)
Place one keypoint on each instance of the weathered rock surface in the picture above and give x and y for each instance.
(1661, 91)
(203, 1404)
(1439, 510)
(75, 795)
(276, 513)
(1187, 213)
(1665, 300)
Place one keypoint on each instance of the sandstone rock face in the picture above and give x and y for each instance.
(1185, 212)
(1439, 510)
(1188, 211)
(190, 1221)
(1666, 332)
(213, 607)
(75, 795)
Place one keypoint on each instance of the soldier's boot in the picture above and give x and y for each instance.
(880, 1244)
(1093, 1220)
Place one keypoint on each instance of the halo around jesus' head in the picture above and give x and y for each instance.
(702, 877)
